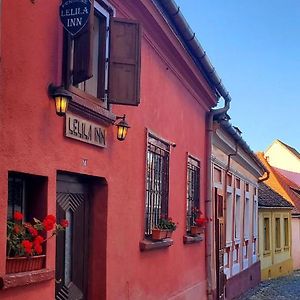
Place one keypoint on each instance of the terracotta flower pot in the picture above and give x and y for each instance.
(195, 230)
(24, 264)
(159, 234)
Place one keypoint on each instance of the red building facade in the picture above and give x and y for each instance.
(112, 192)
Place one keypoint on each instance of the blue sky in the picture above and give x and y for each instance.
(255, 48)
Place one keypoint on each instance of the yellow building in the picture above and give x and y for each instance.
(274, 233)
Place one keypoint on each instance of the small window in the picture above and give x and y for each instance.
(247, 187)
(229, 179)
(247, 219)
(277, 233)
(267, 234)
(193, 191)
(237, 183)
(102, 62)
(217, 175)
(286, 233)
(157, 185)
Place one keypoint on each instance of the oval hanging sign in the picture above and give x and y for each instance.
(74, 14)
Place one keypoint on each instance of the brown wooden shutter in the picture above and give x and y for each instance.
(83, 51)
(125, 62)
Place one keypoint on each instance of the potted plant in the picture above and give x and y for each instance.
(25, 242)
(163, 229)
(198, 222)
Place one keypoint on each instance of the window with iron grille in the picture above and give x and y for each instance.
(193, 191)
(157, 186)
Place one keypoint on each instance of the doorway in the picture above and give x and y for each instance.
(72, 204)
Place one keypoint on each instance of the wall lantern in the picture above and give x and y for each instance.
(122, 128)
(61, 97)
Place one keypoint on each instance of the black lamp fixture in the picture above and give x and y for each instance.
(122, 128)
(61, 97)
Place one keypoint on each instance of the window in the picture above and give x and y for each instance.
(193, 190)
(102, 62)
(27, 194)
(286, 232)
(157, 185)
(238, 183)
(267, 234)
(277, 233)
(229, 217)
(247, 219)
(217, 175)
(255, 220)
(229, 179)
(237, 217)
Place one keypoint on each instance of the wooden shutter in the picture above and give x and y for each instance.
(83, 51)
(125, 62)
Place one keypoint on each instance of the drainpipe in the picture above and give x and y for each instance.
(264, 177)
(210, 254)
(225, 195)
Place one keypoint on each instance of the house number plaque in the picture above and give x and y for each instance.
(74, 14)
(85, 131)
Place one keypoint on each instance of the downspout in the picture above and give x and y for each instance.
(225, 197)
(264, 177)
(209, 245)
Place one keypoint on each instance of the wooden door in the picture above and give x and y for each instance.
(220, 244)
(72, 245)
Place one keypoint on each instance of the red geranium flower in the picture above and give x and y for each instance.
(64, 223)
(201, 221)
(51, 217)
(33, 231)
(38, 248)
(49, 222)
(38, 240)
(27, 245)
(18, 216)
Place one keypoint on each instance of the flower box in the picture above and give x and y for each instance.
(196, 230)
(25, 264)
(159, 234)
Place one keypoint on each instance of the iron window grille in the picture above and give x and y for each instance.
(157, 182)
(193, 191)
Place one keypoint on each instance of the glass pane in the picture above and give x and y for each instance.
(68, 248)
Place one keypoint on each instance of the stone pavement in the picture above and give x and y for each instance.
(283, 288)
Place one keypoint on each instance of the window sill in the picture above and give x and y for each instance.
(277, 250)
(25, 278)
(267, 253)
(188, 239)
(146, 245)
(286, 248)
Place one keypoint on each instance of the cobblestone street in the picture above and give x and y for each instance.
(283, 288)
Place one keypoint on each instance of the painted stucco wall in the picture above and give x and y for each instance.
(274, 262)
(280, 157)
(32, 141)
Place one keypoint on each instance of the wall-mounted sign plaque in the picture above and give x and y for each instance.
(74, 14)
(85, 131)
